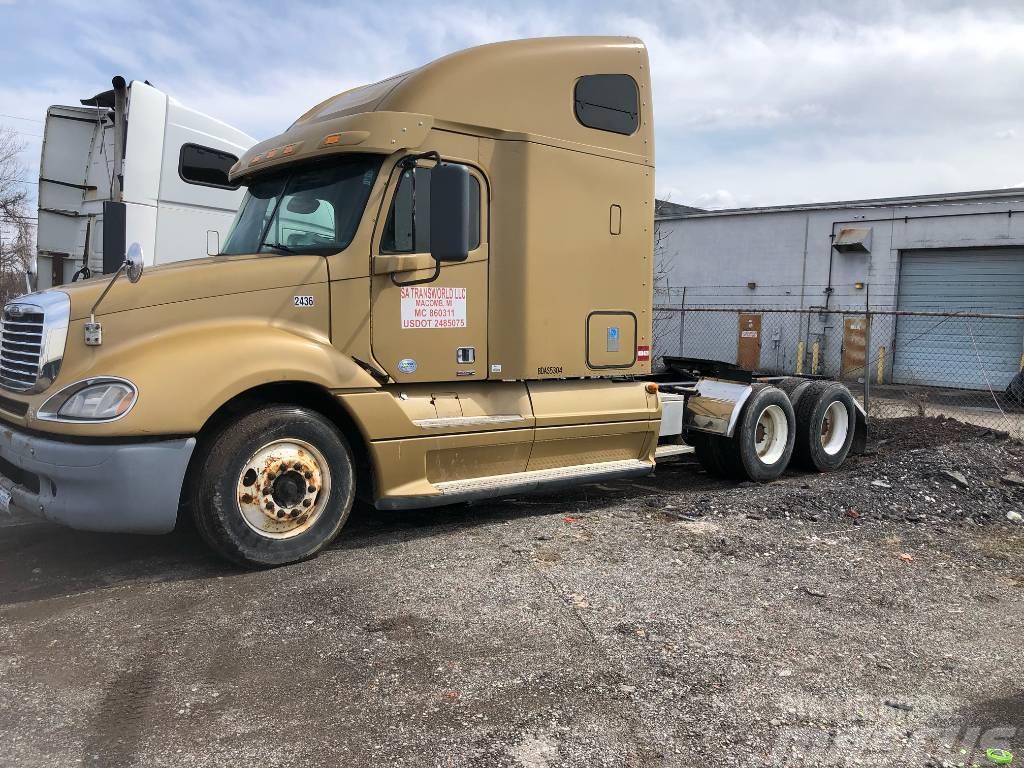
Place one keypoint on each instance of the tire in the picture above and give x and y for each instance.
(1016, 388)
(762, 442)
(709, 454)
(274, 487)
(794, 387)
(826, 420)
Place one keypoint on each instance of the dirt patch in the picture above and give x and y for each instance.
(910, 432)
(866, 617)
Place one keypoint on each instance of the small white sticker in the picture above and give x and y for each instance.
(408, 365)
(431, 307)
(496, 368)
(303, 301)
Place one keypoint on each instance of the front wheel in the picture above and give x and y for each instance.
(274, 487)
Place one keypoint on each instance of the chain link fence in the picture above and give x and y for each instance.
(960, 364)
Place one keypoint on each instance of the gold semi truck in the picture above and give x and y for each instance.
(438, 288)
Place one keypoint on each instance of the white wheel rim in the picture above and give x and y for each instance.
(283, 488)
(835, 426)
(772, 434)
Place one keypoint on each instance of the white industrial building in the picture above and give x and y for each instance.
(957, 253)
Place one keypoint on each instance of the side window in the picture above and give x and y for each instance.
(608, 103)
(407, 229)
(205, 166)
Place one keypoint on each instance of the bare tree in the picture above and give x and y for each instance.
(665, 323)
(16, 224)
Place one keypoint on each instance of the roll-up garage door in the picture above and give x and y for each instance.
(969, 353)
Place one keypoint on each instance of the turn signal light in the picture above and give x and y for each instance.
(652, 387)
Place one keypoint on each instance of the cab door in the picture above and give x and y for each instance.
(424, 329)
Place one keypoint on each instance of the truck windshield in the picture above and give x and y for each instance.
(311, 209)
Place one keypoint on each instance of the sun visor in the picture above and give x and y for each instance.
(369, 132)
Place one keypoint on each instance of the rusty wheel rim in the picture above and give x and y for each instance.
(283, 488)
(835, 426)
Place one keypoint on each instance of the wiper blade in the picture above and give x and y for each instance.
(279, 247)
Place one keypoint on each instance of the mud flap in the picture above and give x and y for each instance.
(860, 434)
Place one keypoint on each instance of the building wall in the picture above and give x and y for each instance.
(708, 260)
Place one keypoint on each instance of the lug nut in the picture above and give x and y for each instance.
(270, 505)
(308, 475)
(312, 489)
(306, 502)
(280, 513)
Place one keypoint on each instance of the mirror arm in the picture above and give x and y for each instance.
(92, 312)
(409, 161)
(422, 280)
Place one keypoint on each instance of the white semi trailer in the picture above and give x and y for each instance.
(132, 164)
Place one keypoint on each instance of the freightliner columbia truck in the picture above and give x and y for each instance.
(438, 288)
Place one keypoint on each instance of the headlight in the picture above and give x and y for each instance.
(103, 399)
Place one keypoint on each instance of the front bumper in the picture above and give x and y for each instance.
(124, 487)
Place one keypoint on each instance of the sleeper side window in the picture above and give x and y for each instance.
(407, 228)
(205, 166)
(608, 103)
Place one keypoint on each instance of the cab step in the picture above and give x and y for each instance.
(477, 488)
(668, 451)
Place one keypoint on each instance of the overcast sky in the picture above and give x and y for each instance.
(756, 103)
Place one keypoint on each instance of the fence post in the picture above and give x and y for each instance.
(682, 320)
(867, 348)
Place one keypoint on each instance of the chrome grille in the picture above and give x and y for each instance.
(33, 332)
(21, 346)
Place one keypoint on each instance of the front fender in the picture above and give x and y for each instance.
(185, 372)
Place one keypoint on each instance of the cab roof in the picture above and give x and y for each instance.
(522, 89)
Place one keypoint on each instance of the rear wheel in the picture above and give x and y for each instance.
(763, 440)
(825, 426)
(709, 453)
(1016, 388)
(275, 487)
(794, 387)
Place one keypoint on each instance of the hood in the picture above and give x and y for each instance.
(190, 280)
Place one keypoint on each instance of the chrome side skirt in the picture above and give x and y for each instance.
(477, 488)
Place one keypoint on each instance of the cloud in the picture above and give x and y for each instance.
(717, 200)
(758, 103)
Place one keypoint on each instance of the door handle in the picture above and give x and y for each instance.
(384, 264)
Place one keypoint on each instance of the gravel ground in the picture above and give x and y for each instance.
(868, 617)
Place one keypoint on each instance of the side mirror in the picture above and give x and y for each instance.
(134, 262)
(212, 242)
(449, 212)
